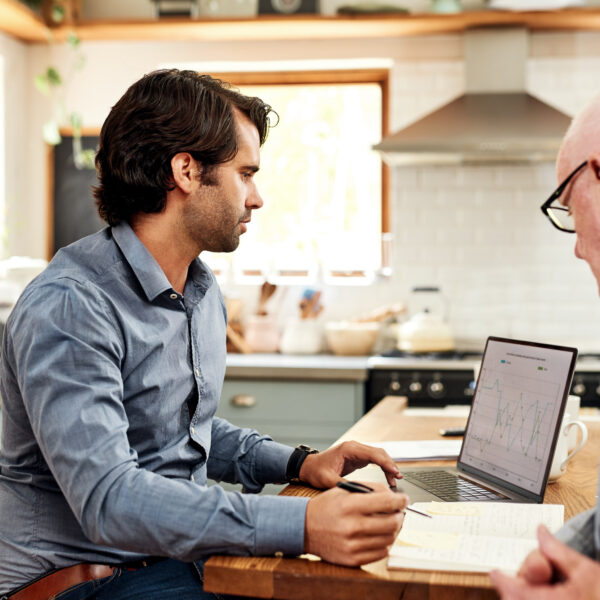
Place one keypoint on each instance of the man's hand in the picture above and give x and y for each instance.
(324, 470)
(554, 572)
(353, 529)
(536, 568)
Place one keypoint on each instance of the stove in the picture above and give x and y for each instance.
(429, 379)
(448, 378)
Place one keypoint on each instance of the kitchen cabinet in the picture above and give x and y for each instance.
(293, 412)
(20, 22)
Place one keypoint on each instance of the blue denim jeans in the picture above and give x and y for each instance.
(164, 580)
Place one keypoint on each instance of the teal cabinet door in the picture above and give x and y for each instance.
(293, 412)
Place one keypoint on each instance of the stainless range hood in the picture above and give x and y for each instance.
(495, 121)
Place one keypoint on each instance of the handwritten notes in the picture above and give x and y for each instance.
(471, 536)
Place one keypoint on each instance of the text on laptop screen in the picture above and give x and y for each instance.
(515, 411)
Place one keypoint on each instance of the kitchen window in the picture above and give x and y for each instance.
(325, 212)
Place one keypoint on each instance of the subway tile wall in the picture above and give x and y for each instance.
(477, 232)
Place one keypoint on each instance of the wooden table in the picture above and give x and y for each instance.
(308, 579)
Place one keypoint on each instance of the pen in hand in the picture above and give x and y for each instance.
(361, 488)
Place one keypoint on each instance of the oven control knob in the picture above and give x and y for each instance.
(395, 386)
(579, 389)
(468, 392)
(598, 391)
(415, 387)
(436, 388)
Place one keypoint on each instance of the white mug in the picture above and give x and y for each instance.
(562, 455)
(573, 405)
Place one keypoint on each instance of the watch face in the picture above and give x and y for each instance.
(286, 6)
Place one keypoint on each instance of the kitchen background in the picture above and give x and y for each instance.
(476, 231)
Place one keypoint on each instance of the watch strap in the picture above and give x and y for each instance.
(297, 458)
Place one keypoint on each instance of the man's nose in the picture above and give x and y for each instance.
(254, 199)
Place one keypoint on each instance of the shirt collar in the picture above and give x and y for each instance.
(148, 272)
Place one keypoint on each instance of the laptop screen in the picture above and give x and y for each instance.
(518, 403)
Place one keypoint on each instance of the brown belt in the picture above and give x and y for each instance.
(58, 581)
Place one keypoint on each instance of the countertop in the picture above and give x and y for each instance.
(327, 366)
(348, 368)
(288, 366)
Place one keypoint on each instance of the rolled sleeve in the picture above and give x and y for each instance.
(271, 461)
(244, 456)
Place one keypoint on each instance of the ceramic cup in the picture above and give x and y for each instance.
(561, 454)
(573, 404)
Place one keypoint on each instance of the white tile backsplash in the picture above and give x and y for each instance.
(478, 232)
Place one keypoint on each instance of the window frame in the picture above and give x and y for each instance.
(379, 76)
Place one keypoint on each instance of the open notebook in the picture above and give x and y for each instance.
(473, 537)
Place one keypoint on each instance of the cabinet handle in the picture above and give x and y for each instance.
(243, 401)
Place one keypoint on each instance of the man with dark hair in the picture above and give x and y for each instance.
(112, 366)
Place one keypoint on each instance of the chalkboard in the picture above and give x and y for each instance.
(74, 211)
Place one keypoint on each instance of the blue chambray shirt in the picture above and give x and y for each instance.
(100, 459)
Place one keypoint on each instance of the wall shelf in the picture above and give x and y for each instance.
(20, 22)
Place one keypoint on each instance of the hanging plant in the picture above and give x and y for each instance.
(55, 86)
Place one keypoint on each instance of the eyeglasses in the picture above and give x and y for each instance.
(560, 216)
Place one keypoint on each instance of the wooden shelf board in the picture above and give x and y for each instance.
(303, 27)
(19, 21)
(22, 23)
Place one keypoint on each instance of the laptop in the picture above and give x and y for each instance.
(512, 429)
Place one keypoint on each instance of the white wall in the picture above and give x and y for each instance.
(476, 231)
(17, 165)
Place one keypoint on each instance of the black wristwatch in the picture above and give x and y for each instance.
(298, 456)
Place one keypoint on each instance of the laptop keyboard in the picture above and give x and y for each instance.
(450, 487)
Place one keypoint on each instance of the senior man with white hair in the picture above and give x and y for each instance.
(567, 566)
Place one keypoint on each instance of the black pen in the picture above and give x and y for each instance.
(361, 488)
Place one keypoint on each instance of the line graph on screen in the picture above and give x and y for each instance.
(514, 419)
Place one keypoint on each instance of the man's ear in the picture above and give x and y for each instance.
(184, 168)
(595, 164)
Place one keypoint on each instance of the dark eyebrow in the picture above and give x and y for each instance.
(252, 168)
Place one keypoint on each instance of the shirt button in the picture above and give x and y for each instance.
(192, 478)
(197, 371)
(193, 431)
(173, 296)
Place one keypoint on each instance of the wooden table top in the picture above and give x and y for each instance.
(310, 578)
